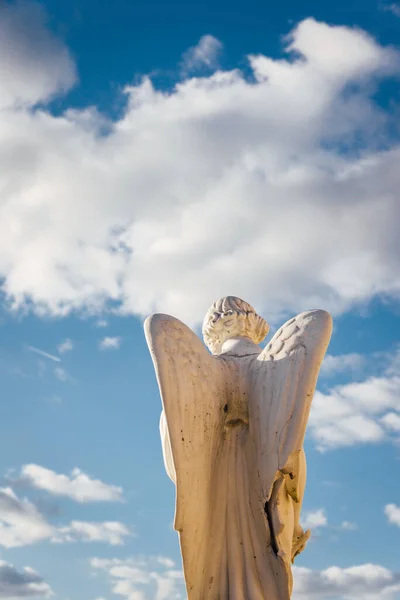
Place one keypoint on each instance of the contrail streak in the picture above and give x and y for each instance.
(45, 354)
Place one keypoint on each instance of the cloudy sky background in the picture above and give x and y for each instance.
(154, 157)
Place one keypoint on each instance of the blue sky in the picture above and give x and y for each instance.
(154, 157)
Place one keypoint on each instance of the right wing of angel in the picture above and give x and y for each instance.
(191, 383)
(284, 379)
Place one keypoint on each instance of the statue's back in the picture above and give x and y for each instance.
(234, 429)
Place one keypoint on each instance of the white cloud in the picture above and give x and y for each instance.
(78, 486)
(101, 323)
(342, 363)
(152, 578)
(392, 512)
(391, 421)
(317, 518)
(20, 522)
(61, 374)
(149, 578)
(110, 343)
(205, 54)
(314, 519)
(34, 65)
(393, 7)
(190, 187)
(362, 582)
(25, 583)
(328, 47)
(65, 346)
(112, 532)
(359, 412)
(348, 526)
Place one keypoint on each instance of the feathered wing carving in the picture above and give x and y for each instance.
(282, 384)
(192, 392)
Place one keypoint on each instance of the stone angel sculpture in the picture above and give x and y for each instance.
(232, 430)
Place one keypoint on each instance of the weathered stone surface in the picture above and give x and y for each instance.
(232, 430)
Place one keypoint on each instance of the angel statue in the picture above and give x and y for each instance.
(232, 430)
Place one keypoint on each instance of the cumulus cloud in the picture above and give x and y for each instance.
(146, 578)
(192, 186)
(314, 519)
(110, 343)
(348, 526)
(391, 421)
(34, 64)
(20, 521)
(204, 54)
(342, 363)
(143, 578)
(65, 346)
(101, 323)
(21, 524)
(25, 583)
(393, 7)
(112, 532)
(392, 513)
(358, 412)
(61, 374)
(78, 486)
(368, 582)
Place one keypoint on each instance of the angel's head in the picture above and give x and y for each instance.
(231, 317)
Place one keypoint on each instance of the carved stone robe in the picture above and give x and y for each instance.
(232, 430)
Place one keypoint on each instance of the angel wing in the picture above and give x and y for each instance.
(283, 381)
(192, 393)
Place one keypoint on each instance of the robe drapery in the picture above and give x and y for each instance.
(233, 430)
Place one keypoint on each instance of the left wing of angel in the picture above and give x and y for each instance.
(191, 383)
